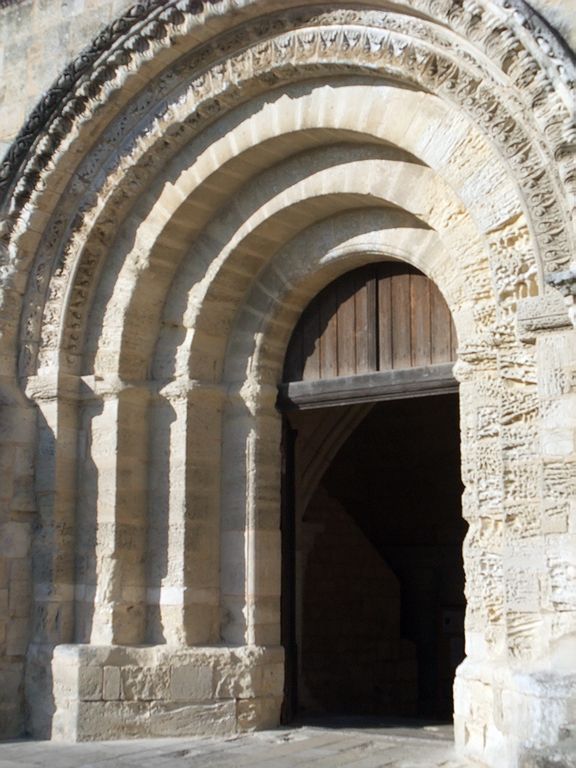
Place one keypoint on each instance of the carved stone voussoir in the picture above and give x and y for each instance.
(152, 21)
(432, 63)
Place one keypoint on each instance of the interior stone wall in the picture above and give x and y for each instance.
(398, 477)
(353, 658)
(167, 213)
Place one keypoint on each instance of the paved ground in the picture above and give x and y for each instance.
(319, 747)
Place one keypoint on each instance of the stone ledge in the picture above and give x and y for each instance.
(540, 314)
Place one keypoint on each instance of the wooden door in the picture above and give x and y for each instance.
(378, 331)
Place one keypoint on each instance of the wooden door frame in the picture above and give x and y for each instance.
(288, 573)
(367, 388)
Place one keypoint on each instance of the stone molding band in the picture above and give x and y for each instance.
(153, 21)
(554, 234)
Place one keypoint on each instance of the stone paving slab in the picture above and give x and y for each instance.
(283, 748)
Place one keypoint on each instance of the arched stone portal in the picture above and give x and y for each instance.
(188, 185)
(373, 583)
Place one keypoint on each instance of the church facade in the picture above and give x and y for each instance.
(191, 185)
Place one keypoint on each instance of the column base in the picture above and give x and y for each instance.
(119, 692)
(511, 719)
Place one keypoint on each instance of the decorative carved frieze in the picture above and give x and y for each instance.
(153, 21)
(344, 47)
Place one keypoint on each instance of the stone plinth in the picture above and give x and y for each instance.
(110, 692)
(506, 717)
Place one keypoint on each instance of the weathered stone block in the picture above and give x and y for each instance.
(14, 539)
(540, 314)
(90, 683)
(111, 683)
(558, 442)
(213, 719)
(555, 517)
(146, 683)
(192, 683)
(258, 713)
(12, 687)
(18, 636)
(20, 599)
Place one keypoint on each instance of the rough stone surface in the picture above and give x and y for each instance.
(103, 692)
(38, 38)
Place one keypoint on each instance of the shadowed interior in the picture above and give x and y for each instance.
(379, 567)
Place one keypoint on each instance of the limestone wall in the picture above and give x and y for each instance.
(176, 218)
(38, 38)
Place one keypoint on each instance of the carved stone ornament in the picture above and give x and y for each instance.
(532, 126)
(565, 282)
(156, 21)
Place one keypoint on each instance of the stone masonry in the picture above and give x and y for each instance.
(189, 182)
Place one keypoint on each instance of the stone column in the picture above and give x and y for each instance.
(184, 508)
(251, 545)
(54, 542)
(57, 400)
(263, 582)
(17, 517)
(157, 458)
(111, 586)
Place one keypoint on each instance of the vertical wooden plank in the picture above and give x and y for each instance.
(419, 320)
(294, 361)
(375, 318)
(384, 323)
(401, 357)
(440, 327)
(361, 324)
(346, 322)
(310, 343)
(328, 335)
(372, 319)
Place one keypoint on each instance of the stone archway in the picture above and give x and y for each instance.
(373, 582)
(190, 184)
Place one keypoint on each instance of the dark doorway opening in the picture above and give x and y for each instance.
(373, 610)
